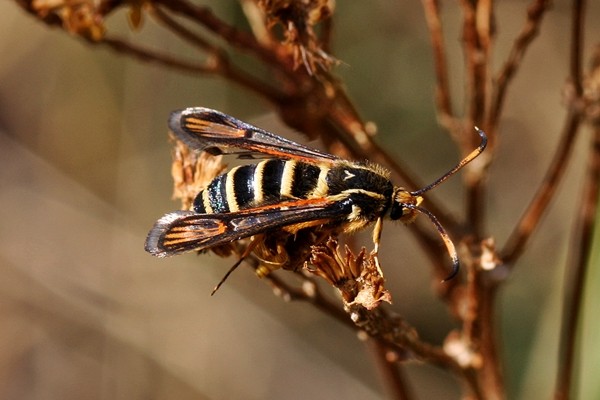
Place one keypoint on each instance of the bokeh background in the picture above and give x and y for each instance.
(85, 171)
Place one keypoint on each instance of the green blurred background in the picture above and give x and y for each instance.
(85, 171)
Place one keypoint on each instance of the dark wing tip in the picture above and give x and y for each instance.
(176, 126)
(214, 121)
(153, 244)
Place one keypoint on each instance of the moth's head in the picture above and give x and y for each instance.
(403, 205)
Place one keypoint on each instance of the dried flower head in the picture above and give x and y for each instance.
(192, 171)
(79, 17)
(591, 90)
(298, 18)
(357, 277)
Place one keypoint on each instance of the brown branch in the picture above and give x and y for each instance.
(402, 336)
(530, 219)
(579, 259)
(146, 55)
(222, 68)
(391, 373)
(479, 329)
(477, 38)
(234, 37)
(390, 332)
(183, 32)
(577, 31)
(527, 224)
(576, 274)
(535, 13)
(309, 292)
(442, 92)
(218, 55)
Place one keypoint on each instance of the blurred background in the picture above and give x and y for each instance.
(85, 172)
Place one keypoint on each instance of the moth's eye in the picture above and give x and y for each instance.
(397, 211)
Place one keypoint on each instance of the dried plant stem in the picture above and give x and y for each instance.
(379, 346)
(390, 333)
(146, 55)
(393, 330)
(391, 373)
(576, 272)
(183, 32)
(529, 221)
(579, 259)
(484, 327)
(477, 39)
(377, 323)
(577, 31)
(535, 14)
(442, 92)
(527, 224)
(234, 37)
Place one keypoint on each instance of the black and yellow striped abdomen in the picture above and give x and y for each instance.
(253, 185)
(275, 180)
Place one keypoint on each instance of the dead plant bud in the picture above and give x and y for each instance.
(356, 276)
(489, 258)
(297, 19)
(192, 171)
(79, 17)
(457, 347)
(591, 90)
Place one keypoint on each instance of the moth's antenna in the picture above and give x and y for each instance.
(447, 241)
(458, 166)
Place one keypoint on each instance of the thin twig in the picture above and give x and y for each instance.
(222, 68)
(577, 31)
(183, 32)
(219, 57)
(581, 250)
(491, 376)
(530, 219)
(147, 55)
(393, 333)
(390, 372)
(442, 92)
(234, 37)
(535, 13)
(576, 275)
(396, 333)
(477, 41)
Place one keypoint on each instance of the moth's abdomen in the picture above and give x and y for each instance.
(267, 182)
